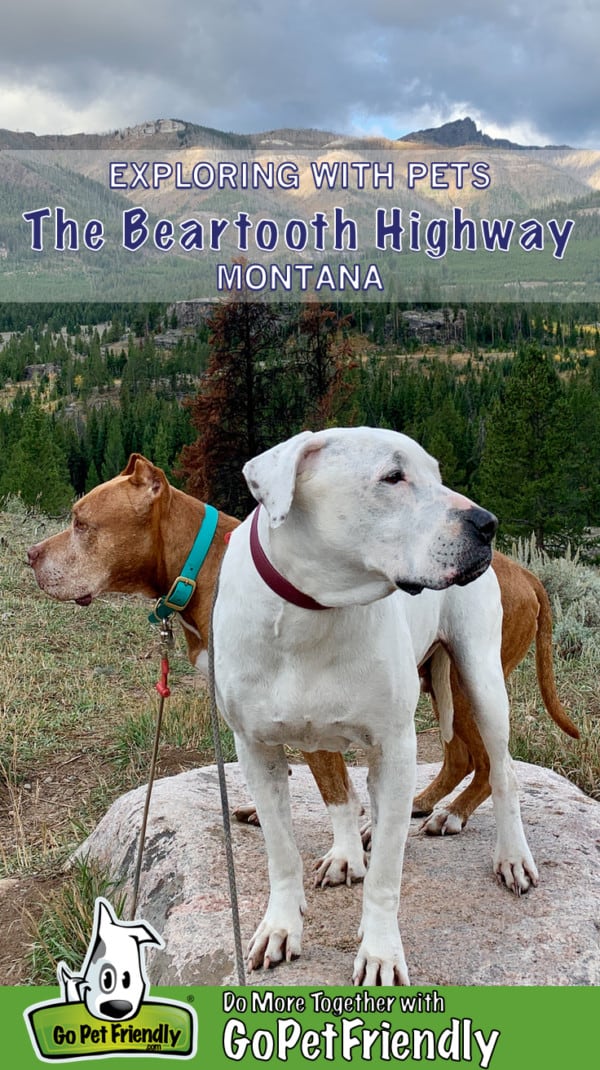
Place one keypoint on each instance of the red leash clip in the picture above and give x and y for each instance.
(162, 686)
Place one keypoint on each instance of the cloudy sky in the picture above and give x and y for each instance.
(526, 70)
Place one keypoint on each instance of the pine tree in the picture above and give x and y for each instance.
(160, 449)
(528, 475)
(114, 454)
(37, 468)
(584, 404)
(92, 479)
(227, 411)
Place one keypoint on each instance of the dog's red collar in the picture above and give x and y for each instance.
(272, 577)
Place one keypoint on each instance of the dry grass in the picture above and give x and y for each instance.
(574, 591)
(534, 738)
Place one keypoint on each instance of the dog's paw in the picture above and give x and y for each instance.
(517, 876)
(268, 948)
(247, 815)
(277, 939)
(387, 968)
(334, 868)
(518, 873)
(442, 823)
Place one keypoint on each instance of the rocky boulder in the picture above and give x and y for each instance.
(459, 927)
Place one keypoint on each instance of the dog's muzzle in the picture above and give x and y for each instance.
(480, 528)
(474, 552)
(485, 524)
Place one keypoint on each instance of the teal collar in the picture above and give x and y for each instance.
(184, 586)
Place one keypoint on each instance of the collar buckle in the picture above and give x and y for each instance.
(176, 599)
(179, 594)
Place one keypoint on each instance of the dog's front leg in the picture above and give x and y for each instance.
(392, 774)
(279, 935)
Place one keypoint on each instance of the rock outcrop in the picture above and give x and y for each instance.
(459, 927)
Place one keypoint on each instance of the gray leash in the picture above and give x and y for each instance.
(166, 634)
(214, 717)
(166, 642)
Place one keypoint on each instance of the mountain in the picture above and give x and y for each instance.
(464, 132)
(177, 134)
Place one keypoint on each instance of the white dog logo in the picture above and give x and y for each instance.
(113, 982)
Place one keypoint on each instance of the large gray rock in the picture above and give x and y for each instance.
(459, 927)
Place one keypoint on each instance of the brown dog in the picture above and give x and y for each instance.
(526, 616)
(133, 533)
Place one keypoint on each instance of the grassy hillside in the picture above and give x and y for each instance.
(77, 711)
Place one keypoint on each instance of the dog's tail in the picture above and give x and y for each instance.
(543, 661)
(441, 689)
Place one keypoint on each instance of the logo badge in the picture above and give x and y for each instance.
(105, 1009)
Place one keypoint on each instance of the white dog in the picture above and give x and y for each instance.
(356, 520)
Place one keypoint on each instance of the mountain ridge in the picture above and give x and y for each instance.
(463, 132)
(179, 133)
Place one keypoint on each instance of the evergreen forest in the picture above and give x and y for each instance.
(507, 397)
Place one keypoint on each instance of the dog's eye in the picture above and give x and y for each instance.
(108, 979)
(397, 476)
(126, 980)
(78, 525)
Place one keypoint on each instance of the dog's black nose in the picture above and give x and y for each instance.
(116, 1008)
(485, 523)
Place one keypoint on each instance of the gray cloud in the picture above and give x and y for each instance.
(251, 65)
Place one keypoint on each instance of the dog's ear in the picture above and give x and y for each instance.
(271, 477)
(131, 463)
(142, 473)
